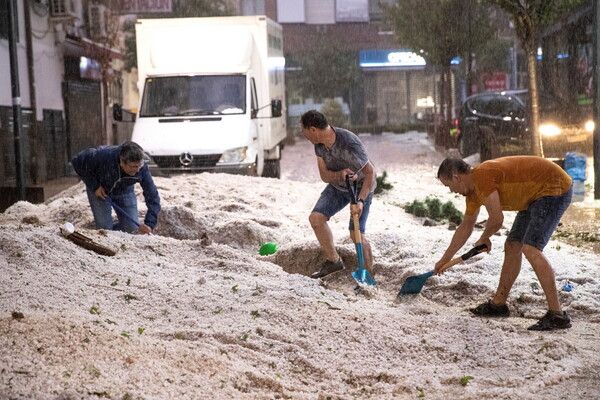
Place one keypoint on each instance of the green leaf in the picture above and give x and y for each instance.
(464, 381)
(129, 297)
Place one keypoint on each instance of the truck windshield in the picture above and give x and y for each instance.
(194, 95)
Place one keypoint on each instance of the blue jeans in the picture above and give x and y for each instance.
(535, 225)
(102, 211)
(333, 200)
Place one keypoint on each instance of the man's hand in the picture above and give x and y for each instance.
(356, 209)
(487, 242)
(439, 265)
(100, 193)
(144, 230)
(350, 174)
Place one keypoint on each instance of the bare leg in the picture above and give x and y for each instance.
(510, 270)
(545, 275)
(323, 233)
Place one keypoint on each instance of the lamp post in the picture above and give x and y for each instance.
(16, 95)
(596, 58)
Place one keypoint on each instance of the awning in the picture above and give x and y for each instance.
(84, 47)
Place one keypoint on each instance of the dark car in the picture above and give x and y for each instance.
(493, 124)
(566, 124)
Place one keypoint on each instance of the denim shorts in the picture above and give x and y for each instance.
(535, 225)
(333, 200)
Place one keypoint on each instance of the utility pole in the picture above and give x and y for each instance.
(596, 148)
(16, 95)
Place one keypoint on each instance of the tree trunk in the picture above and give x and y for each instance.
(536, 140)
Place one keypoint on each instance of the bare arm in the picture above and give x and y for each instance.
(369, 182)
(495, 220)
(329, 176)
(460, 237)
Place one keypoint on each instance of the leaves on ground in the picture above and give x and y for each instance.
(433, 208)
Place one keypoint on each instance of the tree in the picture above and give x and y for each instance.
(334, 113)
(530, 17)
(326, 71)
(440, 30)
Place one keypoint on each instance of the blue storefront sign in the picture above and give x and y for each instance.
(397, 59)
(391, 58)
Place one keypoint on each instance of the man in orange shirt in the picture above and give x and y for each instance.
(540, 191)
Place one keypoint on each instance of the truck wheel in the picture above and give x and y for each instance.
(488, 144)
(272, 169)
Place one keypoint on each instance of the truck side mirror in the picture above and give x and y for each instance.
(276, 108)
(117, 112)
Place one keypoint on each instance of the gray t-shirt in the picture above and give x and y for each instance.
(346, 152)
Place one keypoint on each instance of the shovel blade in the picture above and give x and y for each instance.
(414, 284)
(363, 276)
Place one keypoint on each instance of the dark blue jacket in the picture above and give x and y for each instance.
(100, 166)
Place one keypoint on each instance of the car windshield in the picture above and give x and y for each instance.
(194, 95)
(499, 106)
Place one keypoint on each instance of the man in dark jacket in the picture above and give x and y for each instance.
(112, 171)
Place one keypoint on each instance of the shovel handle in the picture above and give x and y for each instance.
(352, 189)
(121, 211)
(474, 251)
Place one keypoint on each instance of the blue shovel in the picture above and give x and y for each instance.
(361, 275)
(414, 284)
(121, 211)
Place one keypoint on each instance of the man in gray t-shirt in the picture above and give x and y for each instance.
(339, 153)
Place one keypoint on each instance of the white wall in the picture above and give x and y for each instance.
(5, 75)
(47, 64)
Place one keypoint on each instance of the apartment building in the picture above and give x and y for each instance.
(396, 85)
(68, 72)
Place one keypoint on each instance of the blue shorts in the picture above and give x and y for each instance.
(535, 225)
(333, 200)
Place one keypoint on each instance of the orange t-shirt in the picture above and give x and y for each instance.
(519, 181)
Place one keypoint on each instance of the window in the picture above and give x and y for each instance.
(352, 11)
(194, 95)
(290, 11)
(253, 7)
(4, 19)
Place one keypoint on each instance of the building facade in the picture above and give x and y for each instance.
(67, 73)
(396, 85)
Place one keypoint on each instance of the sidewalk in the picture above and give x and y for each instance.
(36, 193)
(581, 221)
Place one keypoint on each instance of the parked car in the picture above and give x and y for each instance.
(491, 122)
(564, 125)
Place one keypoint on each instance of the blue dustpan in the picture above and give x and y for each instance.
(414, 284)
(361, 275)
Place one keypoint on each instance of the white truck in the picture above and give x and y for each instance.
(212, 94)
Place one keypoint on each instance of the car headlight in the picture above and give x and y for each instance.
(234, 156)
(590, 126)
(549, 130)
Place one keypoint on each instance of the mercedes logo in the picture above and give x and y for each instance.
(186, 159)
